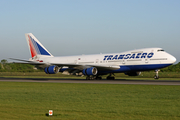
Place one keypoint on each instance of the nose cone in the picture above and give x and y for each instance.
(172, 59)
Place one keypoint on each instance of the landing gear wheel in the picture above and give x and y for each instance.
(156, 77)
(88, 78)
(98, 78)
(110, 78)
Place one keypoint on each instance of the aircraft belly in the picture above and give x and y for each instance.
(127, 68)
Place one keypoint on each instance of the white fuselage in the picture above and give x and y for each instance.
(129, 62)
(155, 57)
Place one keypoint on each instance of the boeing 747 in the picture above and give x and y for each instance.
(94, 66)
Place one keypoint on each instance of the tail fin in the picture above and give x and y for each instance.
(35, 47)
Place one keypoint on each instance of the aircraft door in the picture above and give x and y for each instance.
(76, 62)
(123, 62)
(146, 60)
(97, 61)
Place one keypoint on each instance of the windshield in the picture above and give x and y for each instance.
(160, 50)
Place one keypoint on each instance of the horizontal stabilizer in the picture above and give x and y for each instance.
(20, 60)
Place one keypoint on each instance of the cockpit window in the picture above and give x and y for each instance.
(160, 50)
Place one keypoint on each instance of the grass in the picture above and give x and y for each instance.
(88, 101)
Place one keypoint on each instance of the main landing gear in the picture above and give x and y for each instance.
(93, 78)
(110, 77)
(156, 75)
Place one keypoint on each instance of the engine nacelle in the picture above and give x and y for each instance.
(133, 73)
(90, 71)
(51, 69)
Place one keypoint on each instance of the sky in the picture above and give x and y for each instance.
(75, 27)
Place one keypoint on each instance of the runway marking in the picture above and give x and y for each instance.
(133, 82)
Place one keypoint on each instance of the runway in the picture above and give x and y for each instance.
(118, 81)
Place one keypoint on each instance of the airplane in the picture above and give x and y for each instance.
(131, 62)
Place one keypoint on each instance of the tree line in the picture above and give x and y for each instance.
(5, 66)
(172, 68)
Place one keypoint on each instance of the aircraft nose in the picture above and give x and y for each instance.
(172, 59)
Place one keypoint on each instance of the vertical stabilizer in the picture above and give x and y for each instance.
(35, 47)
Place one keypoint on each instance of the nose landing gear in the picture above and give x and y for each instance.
(156, 75)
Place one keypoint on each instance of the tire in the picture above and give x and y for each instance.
(110, 78)
(156, 77)
(98, 78)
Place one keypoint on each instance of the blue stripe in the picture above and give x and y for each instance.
(129, 68)
(38, 48)
(42, 50)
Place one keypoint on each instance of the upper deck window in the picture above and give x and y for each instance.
(160, 50)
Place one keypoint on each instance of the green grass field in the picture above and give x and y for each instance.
(88, 101)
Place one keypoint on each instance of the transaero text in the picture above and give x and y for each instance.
(128, 56)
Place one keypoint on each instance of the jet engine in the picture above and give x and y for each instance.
(132, 73)
(51, 69)
(90, 71)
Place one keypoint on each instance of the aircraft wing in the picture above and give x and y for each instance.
(21, 60)
(82, 66)
(70, 65)
(27, 62)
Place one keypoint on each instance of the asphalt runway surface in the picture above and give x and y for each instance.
(117, 81)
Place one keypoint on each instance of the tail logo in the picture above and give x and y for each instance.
(32, 49)
(36, 48)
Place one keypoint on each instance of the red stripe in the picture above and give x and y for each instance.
(32, 49)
